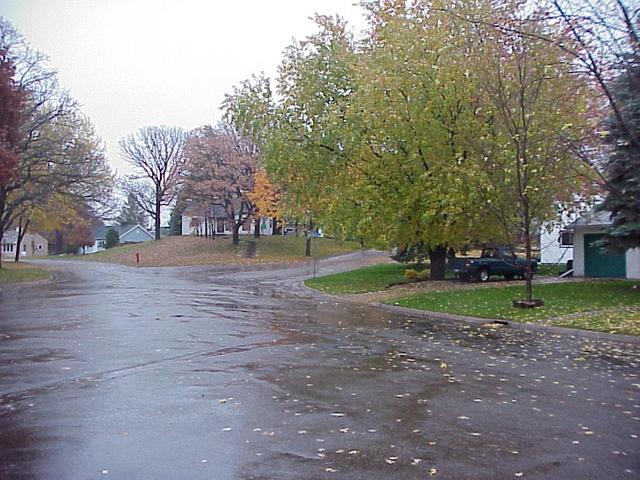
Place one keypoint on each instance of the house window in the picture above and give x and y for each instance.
(100, 243)
(24, 249)
(566, 238)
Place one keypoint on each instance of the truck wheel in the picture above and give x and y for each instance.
(483, 275)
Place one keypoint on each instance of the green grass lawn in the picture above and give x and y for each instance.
(188, 250)
(611, 306)
(366, 279)
(12, 272)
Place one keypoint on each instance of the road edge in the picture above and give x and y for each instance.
(477, 321)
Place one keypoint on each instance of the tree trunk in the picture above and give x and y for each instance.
(22, 230)
(19, 240)
(3, 217)
(307, 250)
(236, 233)
(256, 228)
(438, 262)
(527, 246)
(157, 218)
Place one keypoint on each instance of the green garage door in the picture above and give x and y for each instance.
(599, 263)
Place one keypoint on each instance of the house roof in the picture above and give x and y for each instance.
(195, 209)
(10, 236)
(100, 231)
(592, 218)
(130, 228)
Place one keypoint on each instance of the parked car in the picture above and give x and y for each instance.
(493, 261)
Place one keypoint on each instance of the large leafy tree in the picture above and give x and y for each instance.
(307, 150)
(413, 111)
(11, 110)
(531, 103)
(220, 172)
(368, 141)
(57, 153)
(433, 131)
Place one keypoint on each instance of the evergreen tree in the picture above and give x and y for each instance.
(112, 238)
(131, 213)
(175, 219)
(622, 167)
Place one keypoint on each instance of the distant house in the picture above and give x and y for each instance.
(127, 233)
(194, 222)
(589, 260)
(33, 245)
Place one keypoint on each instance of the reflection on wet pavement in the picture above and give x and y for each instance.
(115, 372)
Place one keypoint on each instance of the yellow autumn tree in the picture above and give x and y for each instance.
(47, 216)
(266, 198)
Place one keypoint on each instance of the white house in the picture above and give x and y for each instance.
(556, 243)
(556, 237)
(592, 261)
(127, 234)
(195, 223)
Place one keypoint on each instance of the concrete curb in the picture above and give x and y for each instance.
(531, 327)
(572, 332)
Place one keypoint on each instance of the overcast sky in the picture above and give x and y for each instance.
(133, 63)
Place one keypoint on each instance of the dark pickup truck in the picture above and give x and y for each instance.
(493, 261)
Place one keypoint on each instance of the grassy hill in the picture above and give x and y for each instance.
(174, 251)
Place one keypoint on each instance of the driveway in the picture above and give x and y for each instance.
(205, 373)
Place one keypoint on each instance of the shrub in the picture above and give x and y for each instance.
(423, 274)
(411, 274)
(112, 238)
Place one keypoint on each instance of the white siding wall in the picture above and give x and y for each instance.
(186, 222)
(93, 248)
(550, 249)
(578, 249)
(633, 263)
(187, 229)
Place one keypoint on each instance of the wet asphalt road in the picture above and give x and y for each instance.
(197, 373)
